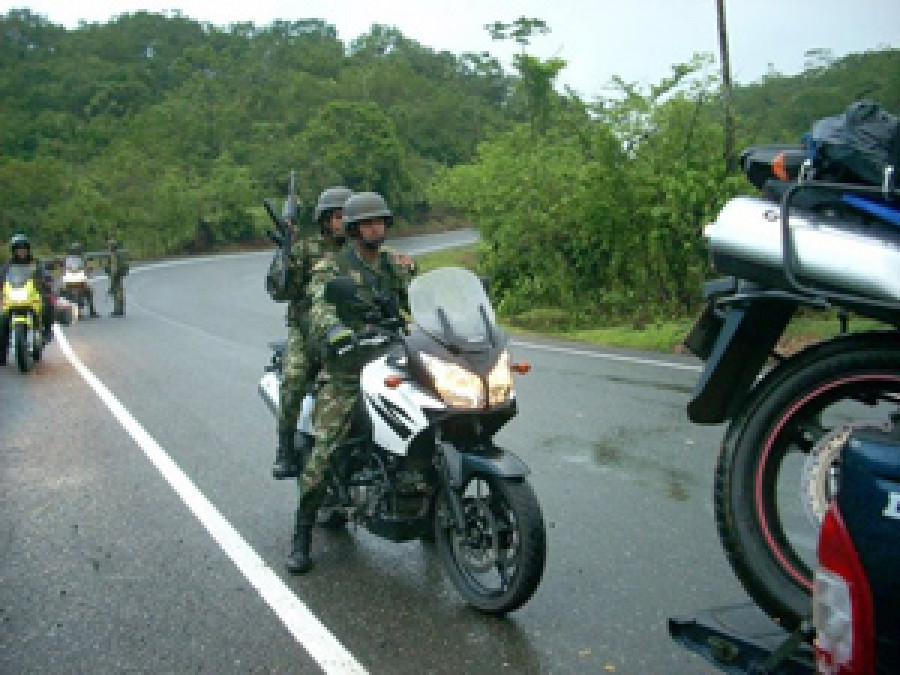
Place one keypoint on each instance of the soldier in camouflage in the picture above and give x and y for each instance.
(376, 272)
(116, 268)
(299, 360)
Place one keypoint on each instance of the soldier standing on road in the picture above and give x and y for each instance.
(377, 273)
(300, 363)
(116, 268)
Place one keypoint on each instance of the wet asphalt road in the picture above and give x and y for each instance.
(103, 568)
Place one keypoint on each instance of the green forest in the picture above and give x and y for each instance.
(168, 133)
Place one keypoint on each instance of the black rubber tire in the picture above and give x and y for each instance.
(24, 358)
(756, 444)
(519, 498)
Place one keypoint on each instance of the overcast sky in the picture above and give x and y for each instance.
(636, 39)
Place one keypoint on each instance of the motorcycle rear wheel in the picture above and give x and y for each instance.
(497, 562)
(768, 532)
(24, 355)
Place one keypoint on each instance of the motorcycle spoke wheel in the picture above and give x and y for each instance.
(496, 560)
(780, 462)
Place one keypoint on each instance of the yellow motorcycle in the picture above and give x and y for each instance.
(22, 312)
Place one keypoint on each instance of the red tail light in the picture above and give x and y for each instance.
(843, 613)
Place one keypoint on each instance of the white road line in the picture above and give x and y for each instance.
(314, 637)
(609, 357)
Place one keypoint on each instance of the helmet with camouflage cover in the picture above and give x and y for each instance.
(365, 206)
(330, 199)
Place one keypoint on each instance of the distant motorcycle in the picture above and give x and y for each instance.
(22, 312)
(420, 460)
(826, 246)
(74, 285)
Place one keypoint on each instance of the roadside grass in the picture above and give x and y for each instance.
(463, 256)
(661, 336)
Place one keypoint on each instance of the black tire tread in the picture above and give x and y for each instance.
(779, 597)
(23, 358)
(533, 558)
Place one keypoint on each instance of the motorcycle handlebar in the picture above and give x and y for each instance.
(386, 328)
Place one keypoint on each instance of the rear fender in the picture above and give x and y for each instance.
(744, 340)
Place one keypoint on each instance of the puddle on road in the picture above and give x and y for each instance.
(609, 454)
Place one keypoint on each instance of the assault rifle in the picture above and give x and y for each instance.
(283, 235)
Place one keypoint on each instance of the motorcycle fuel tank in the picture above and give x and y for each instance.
(830, 249)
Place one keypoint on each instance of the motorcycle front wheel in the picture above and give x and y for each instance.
(780, 463)
(497, 560)
(24, 354)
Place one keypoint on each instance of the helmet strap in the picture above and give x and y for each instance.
(373, 244)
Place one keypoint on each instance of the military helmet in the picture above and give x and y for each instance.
(330, 199)
(75, 247)
(19, 241)
(363, 206)
(112, 243)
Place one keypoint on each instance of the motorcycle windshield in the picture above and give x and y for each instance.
(451, 305)
(74, 263)
(18, 275)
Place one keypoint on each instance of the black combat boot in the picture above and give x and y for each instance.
(285, 457)
(299, 561)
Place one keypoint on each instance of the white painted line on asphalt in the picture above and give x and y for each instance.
(609, 357)
(314, 637)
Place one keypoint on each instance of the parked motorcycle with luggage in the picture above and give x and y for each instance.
(22, 313)
(420, 460)
(812, 245)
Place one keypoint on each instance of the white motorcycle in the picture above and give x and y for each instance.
(420, 460)
(74, 287)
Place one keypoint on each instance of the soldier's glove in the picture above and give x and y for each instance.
(340, 340)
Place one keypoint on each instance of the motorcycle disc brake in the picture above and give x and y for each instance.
(470, 545)
(818, 479)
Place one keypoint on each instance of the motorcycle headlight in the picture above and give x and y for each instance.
(18, 295)
(458, 387)
(500, 381)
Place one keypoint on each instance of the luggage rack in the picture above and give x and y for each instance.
(851, 195)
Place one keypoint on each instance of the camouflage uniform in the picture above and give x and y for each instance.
(339, 389)
(304, 255)
(116, 268)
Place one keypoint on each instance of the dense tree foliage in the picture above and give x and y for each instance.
(601, 215)
(168, 133)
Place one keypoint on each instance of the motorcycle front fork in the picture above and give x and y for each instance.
(457, 515)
